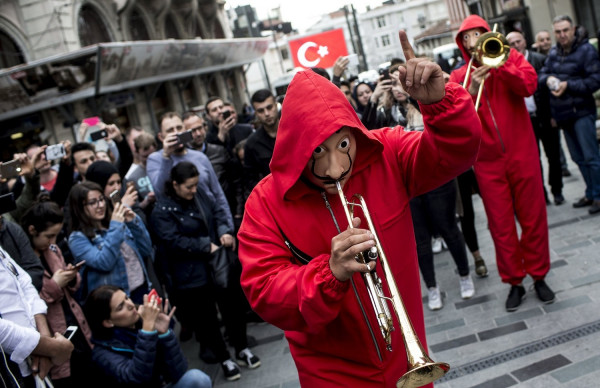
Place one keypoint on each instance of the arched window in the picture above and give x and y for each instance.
(10, 54)
(137, 26)
(171, 31)
(91, 28)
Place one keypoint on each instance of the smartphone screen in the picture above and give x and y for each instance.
(70, 332)
(55, 151)
(226, 114)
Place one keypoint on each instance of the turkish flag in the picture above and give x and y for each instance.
(319, 50)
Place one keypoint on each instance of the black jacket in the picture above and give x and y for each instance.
(580, 67)
(184, 236)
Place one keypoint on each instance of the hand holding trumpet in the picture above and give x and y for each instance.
(344, 248)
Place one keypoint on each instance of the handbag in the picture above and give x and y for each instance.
(222, 261)
(221, 265)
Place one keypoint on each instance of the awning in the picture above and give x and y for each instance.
(116, 66)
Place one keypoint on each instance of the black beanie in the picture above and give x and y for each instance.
(100, 172)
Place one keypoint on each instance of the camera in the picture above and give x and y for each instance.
(184, 137)
(55, 151)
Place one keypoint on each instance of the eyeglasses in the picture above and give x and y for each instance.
(175, 128)
(96, 202)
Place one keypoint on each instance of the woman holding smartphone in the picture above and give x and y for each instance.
(134, 345)
(112, 241)
(42, 223)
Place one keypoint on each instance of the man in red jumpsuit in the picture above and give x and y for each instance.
(507, 167)
(297, 253)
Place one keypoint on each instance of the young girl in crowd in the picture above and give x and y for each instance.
(134, 346)
(42, 223)
(113, 242)
(190, 227)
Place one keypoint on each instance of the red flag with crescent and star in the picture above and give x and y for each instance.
(319, 50)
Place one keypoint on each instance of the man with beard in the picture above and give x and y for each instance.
(223, 128)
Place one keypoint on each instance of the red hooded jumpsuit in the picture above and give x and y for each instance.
(330, 339)
(508, 166)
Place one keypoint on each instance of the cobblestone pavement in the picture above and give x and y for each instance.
(555, 345)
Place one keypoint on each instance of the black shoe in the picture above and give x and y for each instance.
(544, 293)
(559, 199)
(247, 358)
(515, 297)
(595, 208)
(231, 370)
(208, 356)
(480, 267)
(566, 172)
(583, 202)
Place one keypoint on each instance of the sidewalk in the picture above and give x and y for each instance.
(539, 345)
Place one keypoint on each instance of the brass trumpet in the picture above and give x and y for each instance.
(491, 49)
(421, 369)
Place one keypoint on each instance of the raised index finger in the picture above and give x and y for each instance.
(406, 47)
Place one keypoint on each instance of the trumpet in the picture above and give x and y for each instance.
(421, 369)
(491, 49)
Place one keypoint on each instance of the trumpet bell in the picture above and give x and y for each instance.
(425, 372)
(492, 49)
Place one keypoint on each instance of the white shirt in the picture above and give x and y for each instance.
(19, 303)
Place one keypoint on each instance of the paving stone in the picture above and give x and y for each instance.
(541, 367)
(574, 371)
(498, 382)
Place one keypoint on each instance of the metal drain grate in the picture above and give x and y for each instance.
(524, 350)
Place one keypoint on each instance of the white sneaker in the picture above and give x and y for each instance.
(435, 299)
(436, 245)
(467, 288)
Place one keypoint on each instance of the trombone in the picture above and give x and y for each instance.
(421, 369)
(491, 49)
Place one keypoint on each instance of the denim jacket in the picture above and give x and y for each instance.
(102, 254)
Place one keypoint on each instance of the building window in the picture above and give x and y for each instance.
(171, 28)
(385, 40)
(91, 28)
(381, 21)
(10, 54)
(285, 54)
(137, 26)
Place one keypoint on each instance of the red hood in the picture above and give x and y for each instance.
(473, 21)
(313, 109)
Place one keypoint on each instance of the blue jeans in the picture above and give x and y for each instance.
(193, 378)
(583, 146)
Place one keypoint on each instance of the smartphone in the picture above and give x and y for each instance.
(7, 203)
(185, 137)
(98, 133)
(91, 121)
(79, 265)
(226, 114)
(10, 169)
(70, 332)
(55, 151)
(385, 73)
(115, 197)
(155, 293)
(352, 60)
